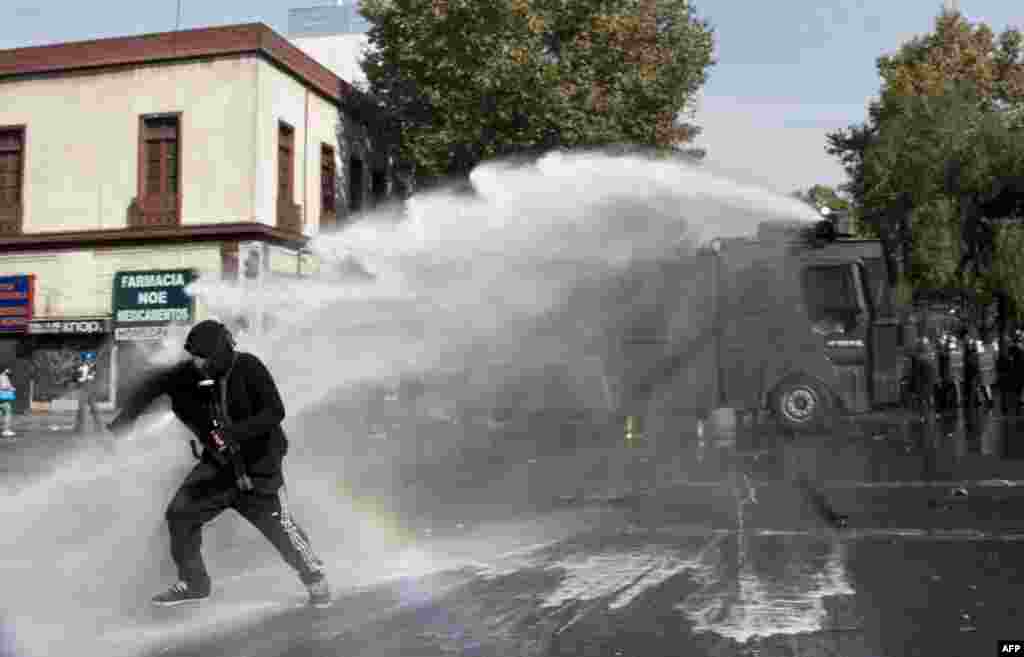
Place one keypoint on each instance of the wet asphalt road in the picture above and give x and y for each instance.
(674, 549)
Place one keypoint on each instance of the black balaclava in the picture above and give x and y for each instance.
(211, 340)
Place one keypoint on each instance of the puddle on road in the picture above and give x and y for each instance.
(764, 586)
(746, 585)
(762, 582)
(619, 577)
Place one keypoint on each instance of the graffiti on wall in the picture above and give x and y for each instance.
(53, 370)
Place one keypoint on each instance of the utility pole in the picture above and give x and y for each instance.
(177, 28)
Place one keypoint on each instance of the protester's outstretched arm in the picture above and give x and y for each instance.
(139, 399)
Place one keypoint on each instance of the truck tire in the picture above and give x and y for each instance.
(802, 405)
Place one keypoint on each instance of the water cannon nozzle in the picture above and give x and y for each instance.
(825, 231)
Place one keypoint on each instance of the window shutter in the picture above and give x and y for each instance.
(12, 164)
(159, 204)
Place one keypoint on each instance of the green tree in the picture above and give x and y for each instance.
(935, 250)
(1008, 267)
(945, 162)
(956, 51)
(460, 81)
(903, 171)
(938, 151)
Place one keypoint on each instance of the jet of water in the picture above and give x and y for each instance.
(479, 292)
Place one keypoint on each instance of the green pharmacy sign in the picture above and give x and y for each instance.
(152, 298)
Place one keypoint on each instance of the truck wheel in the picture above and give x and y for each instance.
(802, 405)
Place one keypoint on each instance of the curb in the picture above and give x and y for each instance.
(50, 422)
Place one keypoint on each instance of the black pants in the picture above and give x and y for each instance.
(205, 493)
(1010, 398)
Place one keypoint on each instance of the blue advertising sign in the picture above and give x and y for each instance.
(17, 296)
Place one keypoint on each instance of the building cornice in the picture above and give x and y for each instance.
(126, 237)
(101, 55)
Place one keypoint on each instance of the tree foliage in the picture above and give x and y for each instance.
(940, 153)
(935, 251)
(1008, 265)
(956, 52)
(460, 81)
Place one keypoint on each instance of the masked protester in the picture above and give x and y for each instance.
(229, 400)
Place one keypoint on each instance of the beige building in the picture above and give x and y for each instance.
(137, 163)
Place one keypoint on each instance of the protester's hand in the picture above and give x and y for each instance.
(119, 426)
(218, 441)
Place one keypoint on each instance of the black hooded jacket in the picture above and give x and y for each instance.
(254, 407)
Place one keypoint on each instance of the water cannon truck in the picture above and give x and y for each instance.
(798, 320)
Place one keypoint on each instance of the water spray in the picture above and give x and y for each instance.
(444, 286)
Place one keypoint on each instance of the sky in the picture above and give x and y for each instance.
(787, 73)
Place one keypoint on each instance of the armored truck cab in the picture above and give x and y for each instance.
(802, 326)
